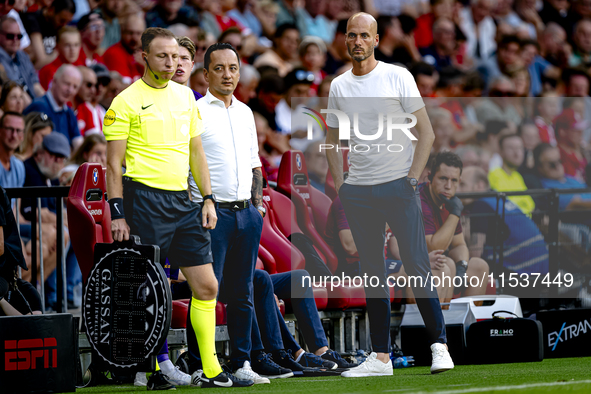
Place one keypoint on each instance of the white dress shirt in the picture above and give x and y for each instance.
(231, 147)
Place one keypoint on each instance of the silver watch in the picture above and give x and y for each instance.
(262, 209)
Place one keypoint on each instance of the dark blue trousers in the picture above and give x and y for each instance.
(368, 209)
(274, 332)
(235, 245)
(288, 285)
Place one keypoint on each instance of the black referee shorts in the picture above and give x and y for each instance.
(167, 219)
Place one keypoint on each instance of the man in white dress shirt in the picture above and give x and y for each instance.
(231, 146)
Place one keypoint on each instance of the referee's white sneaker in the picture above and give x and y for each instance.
(178, 377)
(246, 373)
(370, 367)
(441, 359)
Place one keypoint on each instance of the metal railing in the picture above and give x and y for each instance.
(61, 192)
(36, 194)
(552, 212)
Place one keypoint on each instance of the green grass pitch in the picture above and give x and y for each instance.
(567, 375)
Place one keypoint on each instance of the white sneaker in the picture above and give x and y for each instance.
(246, 373)
(196, 378)
(441, 359)
(177, 377)
(140, 379)
(370, 367)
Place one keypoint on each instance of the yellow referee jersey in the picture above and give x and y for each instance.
(158, 125)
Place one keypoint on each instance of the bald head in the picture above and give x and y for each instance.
(363, 20)
(66, 82)
(362, 36)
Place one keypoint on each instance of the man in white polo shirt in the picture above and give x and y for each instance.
(373, 99)
(231, 146)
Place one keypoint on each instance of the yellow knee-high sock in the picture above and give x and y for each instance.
(203, 322)
(157, 366)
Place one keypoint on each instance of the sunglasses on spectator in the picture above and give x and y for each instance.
(200, 48)
(12, 36)
(501, 93)
(90, 85)
(302, 75)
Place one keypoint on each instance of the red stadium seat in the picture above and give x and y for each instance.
(287, 257)
(89, 216)
(312, 212)
(267, 260)
(329, 188)
(179, 314)
(311, 205)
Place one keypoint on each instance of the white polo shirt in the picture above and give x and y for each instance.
(231, 147)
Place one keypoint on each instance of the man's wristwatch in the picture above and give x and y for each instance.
(209, 197)
(412, 181)
(262, 209)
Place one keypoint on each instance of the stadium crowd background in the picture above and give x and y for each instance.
(487, 69)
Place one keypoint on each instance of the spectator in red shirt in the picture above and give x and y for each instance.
(441, 217)
(123, 57)
(548, 107)
(92, 31)
(68, 48)
(424, 30)
(90, 116)
(569, 133)
(223, 19)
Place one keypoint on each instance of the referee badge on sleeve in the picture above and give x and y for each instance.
(109, 118)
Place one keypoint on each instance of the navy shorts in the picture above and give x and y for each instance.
(170, 220)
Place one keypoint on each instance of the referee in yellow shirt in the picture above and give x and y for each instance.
(155, 126)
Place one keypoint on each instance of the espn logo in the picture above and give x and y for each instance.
(29, 352)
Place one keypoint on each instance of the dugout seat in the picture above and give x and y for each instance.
(311, 205)
(309, 209)
(329, 188)
(89, 216)
(281, 216)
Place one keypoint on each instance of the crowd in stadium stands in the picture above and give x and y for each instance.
(506, 84)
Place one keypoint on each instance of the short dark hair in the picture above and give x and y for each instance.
(539, 151)
(227, 32)
(152, 32)
(568, 73)
(421, 68)
(63, 5)
(271, 83)
(450, 159)
(509, 39)
(283, 28)
(494, 126)
(342, 26)
(506, 137)
(384, 22)
(10, 113)
(218, 46)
